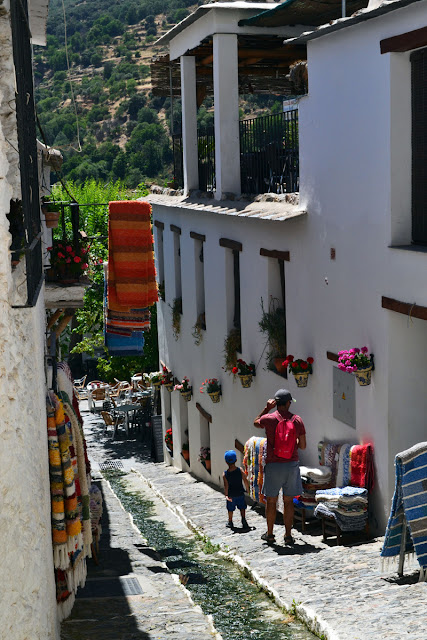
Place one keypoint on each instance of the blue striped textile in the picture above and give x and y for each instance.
(409, 500)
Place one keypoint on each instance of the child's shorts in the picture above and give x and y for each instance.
(238, 501)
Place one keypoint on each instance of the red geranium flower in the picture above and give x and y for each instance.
(234, 370)
(304, 365)
(294, 365)
(310, 360)
(69, 249)
(290, 358)
(77, 259)
(285, 363)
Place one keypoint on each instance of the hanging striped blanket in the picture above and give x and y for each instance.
(409, 500)
(131, 272)
(253, 465)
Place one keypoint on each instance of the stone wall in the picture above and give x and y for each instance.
(27, 603)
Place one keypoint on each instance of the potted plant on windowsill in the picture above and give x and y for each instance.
(67, 262)
(198, 329)
(184, 388)
(300, 368)
(205, 458)
(169, 441)
(167, 379)
(232, 345)
(273, 325)
(212, 387)
(357, 361)
(176, 317)
(50, 210)
(245, 372)
(185, 451)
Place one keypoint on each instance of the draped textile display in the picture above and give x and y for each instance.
(68, 472)
(131, 272)
(409, 501)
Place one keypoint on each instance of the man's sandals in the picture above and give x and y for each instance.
(269, 538)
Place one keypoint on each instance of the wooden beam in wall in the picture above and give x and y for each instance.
(197, 236)
(405, 41)
(271, 253)
(239, 446)
(230, 244)
(53, 318)
(204, 413)
(332, 356)
(406, 308)
(159, 225)
(175, 229)
(68, 314)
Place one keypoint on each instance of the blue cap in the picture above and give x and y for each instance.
(230, 456)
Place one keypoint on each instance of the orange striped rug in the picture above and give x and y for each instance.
(131, 271)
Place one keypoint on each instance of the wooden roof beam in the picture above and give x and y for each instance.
(207, 60)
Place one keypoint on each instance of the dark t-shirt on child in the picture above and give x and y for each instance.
(235, 484)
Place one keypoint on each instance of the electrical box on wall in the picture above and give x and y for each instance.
(344, 397)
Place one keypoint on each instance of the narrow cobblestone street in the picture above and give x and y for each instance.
(338, 591)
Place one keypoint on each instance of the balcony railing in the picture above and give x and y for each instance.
(269, 155)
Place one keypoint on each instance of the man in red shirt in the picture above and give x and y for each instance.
(280, 473)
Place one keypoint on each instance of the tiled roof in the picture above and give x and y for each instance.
(276, 211)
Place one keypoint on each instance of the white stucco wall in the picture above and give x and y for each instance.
(355, 185)
(27, 602)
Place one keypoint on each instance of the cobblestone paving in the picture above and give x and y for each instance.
(164, 610)
(340, 591)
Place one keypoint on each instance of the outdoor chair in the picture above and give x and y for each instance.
(97, 394)
(81, 393)
(110, 421)
(79, 383)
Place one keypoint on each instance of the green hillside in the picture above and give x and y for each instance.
(106, 122)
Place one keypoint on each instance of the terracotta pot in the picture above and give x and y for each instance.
(215, 396)
(186, 395)
(207, 464)
(364, 376)
(301, 378)
(246, 381)
(185, 454)
(278, 363)
(51, 219)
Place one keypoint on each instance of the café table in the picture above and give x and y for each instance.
(126, 409)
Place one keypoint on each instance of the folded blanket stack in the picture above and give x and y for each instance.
(347, 505)
(312, 481)
(410, 503)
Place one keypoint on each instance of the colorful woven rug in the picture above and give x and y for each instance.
(362, 466)
(131, 271)
(409, 500)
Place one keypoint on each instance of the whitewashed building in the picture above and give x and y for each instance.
(345, 256)
(28, 599)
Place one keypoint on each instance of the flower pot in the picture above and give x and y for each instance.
(51, 219)
(186, 454)
(186, 395)
(215, 396)
(301, 378)
(207, 465)
(157, 384)
(246, 381)
(364, 376)
(278, 364)
(169, 387)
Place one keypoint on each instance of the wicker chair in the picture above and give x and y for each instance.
(111, 422)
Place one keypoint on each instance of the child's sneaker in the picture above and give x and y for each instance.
(230, 525)
(245, 524)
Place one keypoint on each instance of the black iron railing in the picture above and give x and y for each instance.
(27, 145)
(269, 155)
(178, 166)
(206, 150)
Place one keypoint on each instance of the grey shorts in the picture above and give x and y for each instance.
(282, 475)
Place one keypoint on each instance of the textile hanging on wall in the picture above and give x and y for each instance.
(131, 272)
(409, 502)
(71, 528)
(120, 341)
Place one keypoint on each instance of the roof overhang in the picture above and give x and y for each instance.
(360, 16)
(303, 12)
(37, 13)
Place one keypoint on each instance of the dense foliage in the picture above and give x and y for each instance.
(88, 334)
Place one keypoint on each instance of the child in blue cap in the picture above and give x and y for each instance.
(234, 477)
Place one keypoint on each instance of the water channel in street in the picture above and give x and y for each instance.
(240, 610)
